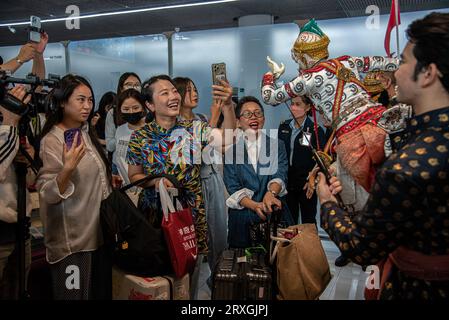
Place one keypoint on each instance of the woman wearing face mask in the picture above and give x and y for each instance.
(298, 135)
(128, 80)
(130, 108)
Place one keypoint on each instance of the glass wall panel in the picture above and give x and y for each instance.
(103, 61)
(54, 58)
(194, 52)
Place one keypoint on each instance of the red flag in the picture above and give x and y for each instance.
(394, 21)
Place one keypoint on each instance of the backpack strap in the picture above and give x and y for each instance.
(139, 182)
(202, 117)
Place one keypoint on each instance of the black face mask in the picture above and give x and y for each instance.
(133, 118)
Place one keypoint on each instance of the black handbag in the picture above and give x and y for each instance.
(135, 245)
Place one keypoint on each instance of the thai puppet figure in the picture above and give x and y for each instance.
(362, 125)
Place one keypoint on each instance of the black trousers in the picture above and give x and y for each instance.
(296, 198)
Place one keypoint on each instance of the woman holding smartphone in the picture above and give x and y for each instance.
(214, 190)
(72, 183)
(167, 145)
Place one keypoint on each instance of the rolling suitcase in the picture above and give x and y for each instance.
(242, 275)
(131, 287)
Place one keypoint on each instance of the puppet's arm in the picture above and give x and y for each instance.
(274, 96)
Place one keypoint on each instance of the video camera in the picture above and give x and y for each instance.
(39, 102)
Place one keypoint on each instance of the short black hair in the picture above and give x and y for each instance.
(430, 36)
(147, 89)
(244, 100)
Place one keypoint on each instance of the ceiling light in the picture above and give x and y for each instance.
(104, 14)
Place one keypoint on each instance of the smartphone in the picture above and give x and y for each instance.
(35, 29)
(69, 137)
(218, 73)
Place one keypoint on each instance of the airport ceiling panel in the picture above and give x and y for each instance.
(222, 15)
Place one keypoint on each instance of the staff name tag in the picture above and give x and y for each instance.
(305, 140)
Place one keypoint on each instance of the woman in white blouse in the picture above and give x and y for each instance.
(72, 183)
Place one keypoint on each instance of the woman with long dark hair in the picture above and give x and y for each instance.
(72, 183)
(98, 120)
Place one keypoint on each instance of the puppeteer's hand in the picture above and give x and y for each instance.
(275, 68)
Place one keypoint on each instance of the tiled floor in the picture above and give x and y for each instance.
(347, 283)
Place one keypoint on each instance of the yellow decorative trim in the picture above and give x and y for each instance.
(316, 50)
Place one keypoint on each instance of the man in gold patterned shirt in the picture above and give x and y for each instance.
(404, 227)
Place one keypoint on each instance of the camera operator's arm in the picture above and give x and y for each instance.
(26, 53)
(9, 137)
(38, 61)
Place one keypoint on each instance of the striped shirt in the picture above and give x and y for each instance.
(9, 146)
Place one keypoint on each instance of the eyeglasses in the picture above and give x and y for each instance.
(136, 86)
(249, 114)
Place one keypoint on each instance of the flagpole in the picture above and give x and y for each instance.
(396, 4)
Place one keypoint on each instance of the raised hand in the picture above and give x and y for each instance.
(222, 93)
(27, 52)
(275, 68)
(40, 47)
(72, 157)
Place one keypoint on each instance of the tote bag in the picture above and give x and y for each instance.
(179, 232)
(302, 269)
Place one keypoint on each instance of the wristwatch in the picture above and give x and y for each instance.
(20, 61)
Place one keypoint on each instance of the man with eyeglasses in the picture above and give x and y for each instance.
(256, 179)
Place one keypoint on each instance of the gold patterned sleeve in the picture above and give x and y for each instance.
(394, 210)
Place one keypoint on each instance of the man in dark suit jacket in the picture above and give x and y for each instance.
(300, 160)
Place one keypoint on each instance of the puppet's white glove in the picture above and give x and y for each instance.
(275, 68)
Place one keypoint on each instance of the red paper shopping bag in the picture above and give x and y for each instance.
(179, 232)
